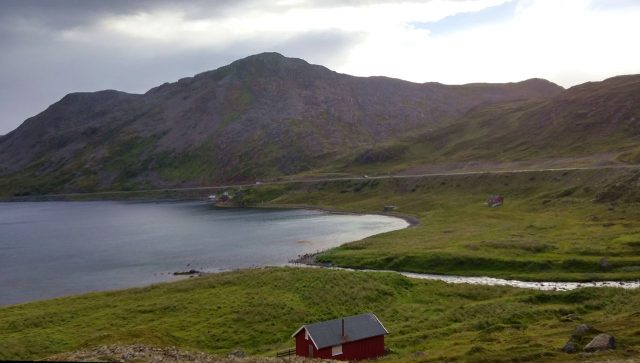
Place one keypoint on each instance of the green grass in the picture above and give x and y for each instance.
(551, 227)
(258, 310)
(197, 165)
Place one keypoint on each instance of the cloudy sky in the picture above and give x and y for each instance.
(49, 48)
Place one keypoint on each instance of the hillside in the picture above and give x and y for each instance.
(263, 116)
(596, 123)
(256, 311)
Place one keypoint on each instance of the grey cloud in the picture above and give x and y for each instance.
(69, 14)
(65, 14)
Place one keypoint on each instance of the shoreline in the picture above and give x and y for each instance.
(411, 220)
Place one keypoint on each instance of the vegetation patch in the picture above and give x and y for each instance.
(381, 154)
(458, 234)
(524, 245)
(256, 311)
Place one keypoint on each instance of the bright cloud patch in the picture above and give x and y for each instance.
(569, 41)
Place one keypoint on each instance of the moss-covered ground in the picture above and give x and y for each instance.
(576, 225)
(257, 311)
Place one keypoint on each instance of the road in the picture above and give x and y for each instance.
(319, 180)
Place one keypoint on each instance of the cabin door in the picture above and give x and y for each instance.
(310, 351)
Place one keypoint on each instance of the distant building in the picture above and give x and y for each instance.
(350, 338)
(495, 200)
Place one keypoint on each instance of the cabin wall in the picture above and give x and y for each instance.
(325, 353)
(363, 349)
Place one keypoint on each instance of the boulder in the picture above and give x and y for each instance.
(570, 347)
(190, 272)
(583, 329)
(601, 342)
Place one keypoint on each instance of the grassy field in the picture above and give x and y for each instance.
(257, 311)
(557, 225)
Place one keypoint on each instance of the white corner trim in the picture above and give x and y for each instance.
(307, 332)
(382, 325)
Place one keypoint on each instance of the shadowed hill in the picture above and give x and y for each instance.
(599, 121)
(593, 117)
(259, 117)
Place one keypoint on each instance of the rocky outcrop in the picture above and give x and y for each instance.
(581, 334)
(601, 342)
(583, 329)
(570, 347)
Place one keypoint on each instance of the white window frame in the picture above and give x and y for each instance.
(306, 334)
(336, 350)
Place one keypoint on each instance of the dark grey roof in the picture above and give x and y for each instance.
(329, 333)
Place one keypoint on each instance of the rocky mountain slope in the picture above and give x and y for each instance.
(259, 117)
(596, 122)
(592, 117)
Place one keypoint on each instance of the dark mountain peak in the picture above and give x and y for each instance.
(266, 57)
(624, 78)
(271, 64)
(531, 83)
(618, 82)
(541, 87)
(540, 82)
(268, 65)
(98, 96)
(536, 80)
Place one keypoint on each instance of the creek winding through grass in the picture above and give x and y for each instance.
(491, 281)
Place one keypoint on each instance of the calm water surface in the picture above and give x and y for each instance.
(50, 249)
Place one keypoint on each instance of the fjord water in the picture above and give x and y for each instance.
(50, 249)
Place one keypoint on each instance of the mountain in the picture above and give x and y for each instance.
(259, 117)
(589, 124)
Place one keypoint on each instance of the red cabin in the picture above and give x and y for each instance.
(350, 338)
